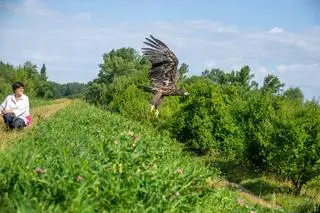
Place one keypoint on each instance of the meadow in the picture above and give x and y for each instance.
(84, 159)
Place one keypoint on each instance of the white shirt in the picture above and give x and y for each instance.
(20, 108)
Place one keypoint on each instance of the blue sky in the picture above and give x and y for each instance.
(278, 37)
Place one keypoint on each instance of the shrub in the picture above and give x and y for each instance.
(204, 121)
(296, 147)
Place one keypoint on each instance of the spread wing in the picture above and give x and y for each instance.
(164, 73)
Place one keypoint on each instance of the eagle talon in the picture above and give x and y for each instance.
(157, 113)
(152, 108)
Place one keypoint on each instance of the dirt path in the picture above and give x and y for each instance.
(245, 195)
(37, 113)
(249, 196)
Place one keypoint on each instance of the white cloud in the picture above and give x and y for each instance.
(72, 45)
(260, 72)
(298, 67)
(304, 75)
(276, 30)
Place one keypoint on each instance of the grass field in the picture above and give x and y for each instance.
(83, 159)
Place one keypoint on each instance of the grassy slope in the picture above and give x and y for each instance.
(94, 160)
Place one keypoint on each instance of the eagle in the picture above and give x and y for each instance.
(164, 73)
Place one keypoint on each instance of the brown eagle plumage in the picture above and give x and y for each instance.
(164, 72)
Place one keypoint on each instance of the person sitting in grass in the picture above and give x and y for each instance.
(15, 108)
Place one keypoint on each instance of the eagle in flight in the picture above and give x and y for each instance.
(164, 72)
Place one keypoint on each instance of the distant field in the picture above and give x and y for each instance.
(84, 159)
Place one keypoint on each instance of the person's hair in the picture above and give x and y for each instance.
(17, 85)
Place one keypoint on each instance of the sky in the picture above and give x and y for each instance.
(70, 36)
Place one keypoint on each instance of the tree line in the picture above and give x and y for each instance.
(36, 82)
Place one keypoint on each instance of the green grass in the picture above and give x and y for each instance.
(271, 189)
(34, 102)
(92, 160)
(282, 194)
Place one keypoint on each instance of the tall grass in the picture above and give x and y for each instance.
(87, 160)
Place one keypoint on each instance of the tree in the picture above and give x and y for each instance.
(183, 70)
(216, 75)
(43, 73)
(238, 78)
(205, 122)
(26, 74)
(119, 62)
(116, 63)
(243, 77)
(45, 89)
(258, 121)
(296, 143)
(294, 94)
(272, 84)
(31, 69)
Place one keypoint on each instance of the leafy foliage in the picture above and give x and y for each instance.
(261, 109)
(241, 78)
(297, 133)
(36, 83)
(272, 84)
(120, 71)
(294, 94)
(183, 71)
(205, 122)
(69, 90)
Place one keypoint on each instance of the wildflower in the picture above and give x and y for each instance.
(134, 145)
(40, 171)
(176, 195)
(180, 170)
(240, 202)
(130, 134)
(79, 178)
(137, 138)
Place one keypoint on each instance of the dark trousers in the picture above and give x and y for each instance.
(12, 122)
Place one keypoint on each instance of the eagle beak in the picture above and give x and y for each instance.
(186, 93)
